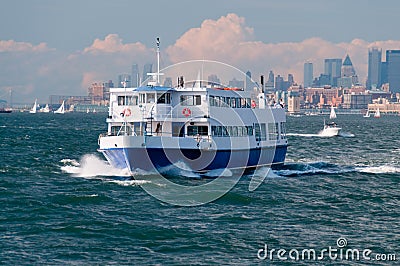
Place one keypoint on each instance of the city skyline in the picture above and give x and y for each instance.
(38, 60)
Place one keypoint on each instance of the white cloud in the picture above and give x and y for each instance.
(13, 46)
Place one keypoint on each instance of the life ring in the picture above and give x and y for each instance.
(186, 112)
(253, 104)
(126, 112)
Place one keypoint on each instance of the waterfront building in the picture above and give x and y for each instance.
(356, 101)
(374, 79)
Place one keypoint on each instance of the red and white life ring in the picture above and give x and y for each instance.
(126, 112)
(253, 104)
(186, 112)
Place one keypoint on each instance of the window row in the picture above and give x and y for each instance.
(189, 100)
(233, 102)
(164, 98)
(231, 131)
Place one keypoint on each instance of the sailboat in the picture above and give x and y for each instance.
(33, 109)
(377, 113)
(367, 114)
(46, 109)
(61, 109)
(331, 129)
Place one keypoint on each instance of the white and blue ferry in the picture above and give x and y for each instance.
(202, 125)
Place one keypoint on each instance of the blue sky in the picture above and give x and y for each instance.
(43, 42)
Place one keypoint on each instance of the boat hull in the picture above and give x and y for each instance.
(197, 160)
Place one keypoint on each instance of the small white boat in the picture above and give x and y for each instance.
(34, 108)
(367, 114)
(61, 109)
(377, 113)
(330, 129)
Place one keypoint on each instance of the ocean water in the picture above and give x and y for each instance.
(61, 203)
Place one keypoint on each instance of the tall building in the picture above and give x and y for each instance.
(249, 83)
(349, 77)
(271, 81)
(148, 68)
(374, 79)
(135, 76)
(308, 74)
(393, 70)
(333, 68)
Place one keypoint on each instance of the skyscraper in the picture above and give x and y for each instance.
(374, 79)
(333, 69)
(349, 76)
(393, 70)
(148, 68)
(308, 74)
(135, 76)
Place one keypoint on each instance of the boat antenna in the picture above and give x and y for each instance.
(158, 61)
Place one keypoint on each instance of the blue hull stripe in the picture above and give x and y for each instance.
(150, 158)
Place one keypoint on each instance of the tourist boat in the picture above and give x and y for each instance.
(201, 125)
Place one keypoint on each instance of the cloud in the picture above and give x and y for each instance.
(112, 43)
(13, 46)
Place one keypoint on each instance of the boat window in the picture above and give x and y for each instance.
(197, 130)
(217, 101)
(257, 131)
(191, 100)
(142, 98)
(127, 100)
(212, 100)
(151, 97)
(272, 131)
(238, 105)
(283, 130)
(133, 100)
(164, 98)
(177, 129)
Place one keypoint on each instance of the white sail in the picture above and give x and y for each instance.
(61, 109)
(33, 109)
(367, 114)
(333, 114)
(377, 113)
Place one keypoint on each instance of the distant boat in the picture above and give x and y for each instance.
(94, 111)
(61, 109)
(331, 128)
(377, 113)
(87, 110)
(5, 110)
(367, 114)
(34, 107)
(46, 109)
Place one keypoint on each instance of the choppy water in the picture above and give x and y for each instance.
(61, 203)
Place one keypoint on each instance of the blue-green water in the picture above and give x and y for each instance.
(62, 204)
